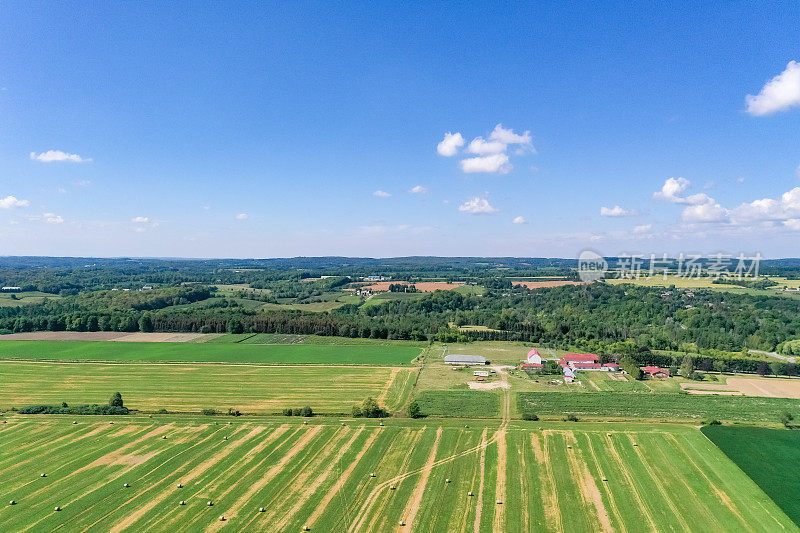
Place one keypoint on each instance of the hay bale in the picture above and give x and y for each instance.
(498, 502)
(125, 485)
(372, 474)
(182, 502)
(222, 518)
(163, 436)
(210, 503)
(43, 475)
(447, 480)
(569, 446)
(342, 423)
(74, 421)
(57, 508)
(306, 528)
(604, 478)
(261, 510)
(635, 444)
(401, 523)
(180, 485)
(111, 422)
(305, 422)
(224, 438)
(393, 487)
(470, 493)
(12, 502)
(229, 423)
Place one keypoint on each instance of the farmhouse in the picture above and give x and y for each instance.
(586, 361)
(656, 372)
(462, 359)
(569, 375)
(534, 358)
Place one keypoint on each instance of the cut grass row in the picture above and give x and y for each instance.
(319, 475)
(367, 354)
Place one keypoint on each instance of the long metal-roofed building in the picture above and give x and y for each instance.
(462, 359)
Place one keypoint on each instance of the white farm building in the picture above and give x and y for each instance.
(460, 359)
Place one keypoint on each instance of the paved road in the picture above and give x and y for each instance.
(775, 355)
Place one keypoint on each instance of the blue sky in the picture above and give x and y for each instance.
(264, 130)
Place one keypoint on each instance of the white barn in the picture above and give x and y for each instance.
(462, 359)
(534, 358)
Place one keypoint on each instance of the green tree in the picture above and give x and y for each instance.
(777, 368)
(145, 323)
(414, 410)
(116, 400)
(687, 366)
(234, 326)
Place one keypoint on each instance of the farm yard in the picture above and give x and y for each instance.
(189, 388)
(427, 477)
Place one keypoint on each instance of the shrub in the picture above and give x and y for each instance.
(371, 409)
(414, 411)
(287, 412)
(162, 411)
(306, 411)
(530, 416)
(713, 422)
(116, 400)
(570, 418)
(356, 411)
(234, 412)
(209, 412)
(786, 419)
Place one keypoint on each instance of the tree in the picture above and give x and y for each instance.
(763, 368)
(371, 409)
(786, 419)
(414, 410)
(306, 411)
(719, 365)
(687, 366)
(145, 323)
(234, 326)
(777, 368)
(116, 400)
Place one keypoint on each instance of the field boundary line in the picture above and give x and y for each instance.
(637, 496)
(590, 493)
(479, 504)
(413, 505)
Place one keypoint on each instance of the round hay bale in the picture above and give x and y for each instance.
(222, 518)
(149, 416)
(57, 508)
(306, 528)
(12, 502)
(498, 502)
(604, 478)
(466, 426)
(372, 474)
(261, 510)
(74, 421)
(380, 424)
(447, 480)
(180, 485)
(125, 485)
(470, 493)
(401, 523)
(210, 503)
(635, 444)
(229, 423)
(342, 423)
(305, 422)
(43, 475)
(182, 502)
(569, 446)
(393, 487)
(224, 438)
(111, 422)
(163, 436)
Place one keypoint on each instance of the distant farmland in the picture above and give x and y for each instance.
(561, 478)
(182, 388)
(390, 355)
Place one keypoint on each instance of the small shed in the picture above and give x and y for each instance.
(481, 373)
(463, 359)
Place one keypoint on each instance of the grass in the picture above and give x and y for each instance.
(764, 455)
(25, 298)
(368, 354)
(459, 403)
(319, 476)
(633, 405)
(186, 388)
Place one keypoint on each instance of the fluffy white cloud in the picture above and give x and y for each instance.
(616, 211)
(241, 216)
(707, 212)
(779, 94)
(477, 206)
(418, 189)
(480, 146)
(497, 163)
(644, 228)
(507, 136)
(520, 220)
(792, 224)
(12, 201)
(492, 152)
(450, 144)
(673, 189)
(52, 218)
(381, 194)
(784, 208)
(57, 155)
(140, 219)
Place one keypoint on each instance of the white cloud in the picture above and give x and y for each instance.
(381, 194)
(139, 229)
(707, 212)
(616, 211)
(673, 189)
(450, 144)
(497, 163)
(477, 206)
(520, 220)
(644, 228)
(792, 223)
(12, 201)
(83, 183)
(482, 147)
(241, 216)
(52, 218)
(507, 136)
(418, 189)
(779, 94)
(140, 219)
(57, 155)
(784, 208)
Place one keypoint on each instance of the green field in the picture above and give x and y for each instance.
(764, 455)
(392, 355)
(192, 387)
(556, 478)
(459, 403)
(633, 405)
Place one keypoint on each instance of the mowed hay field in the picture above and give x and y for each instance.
(363, 354)
(192, 387)
(318, 475)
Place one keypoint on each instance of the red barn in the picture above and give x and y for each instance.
(656, 371)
